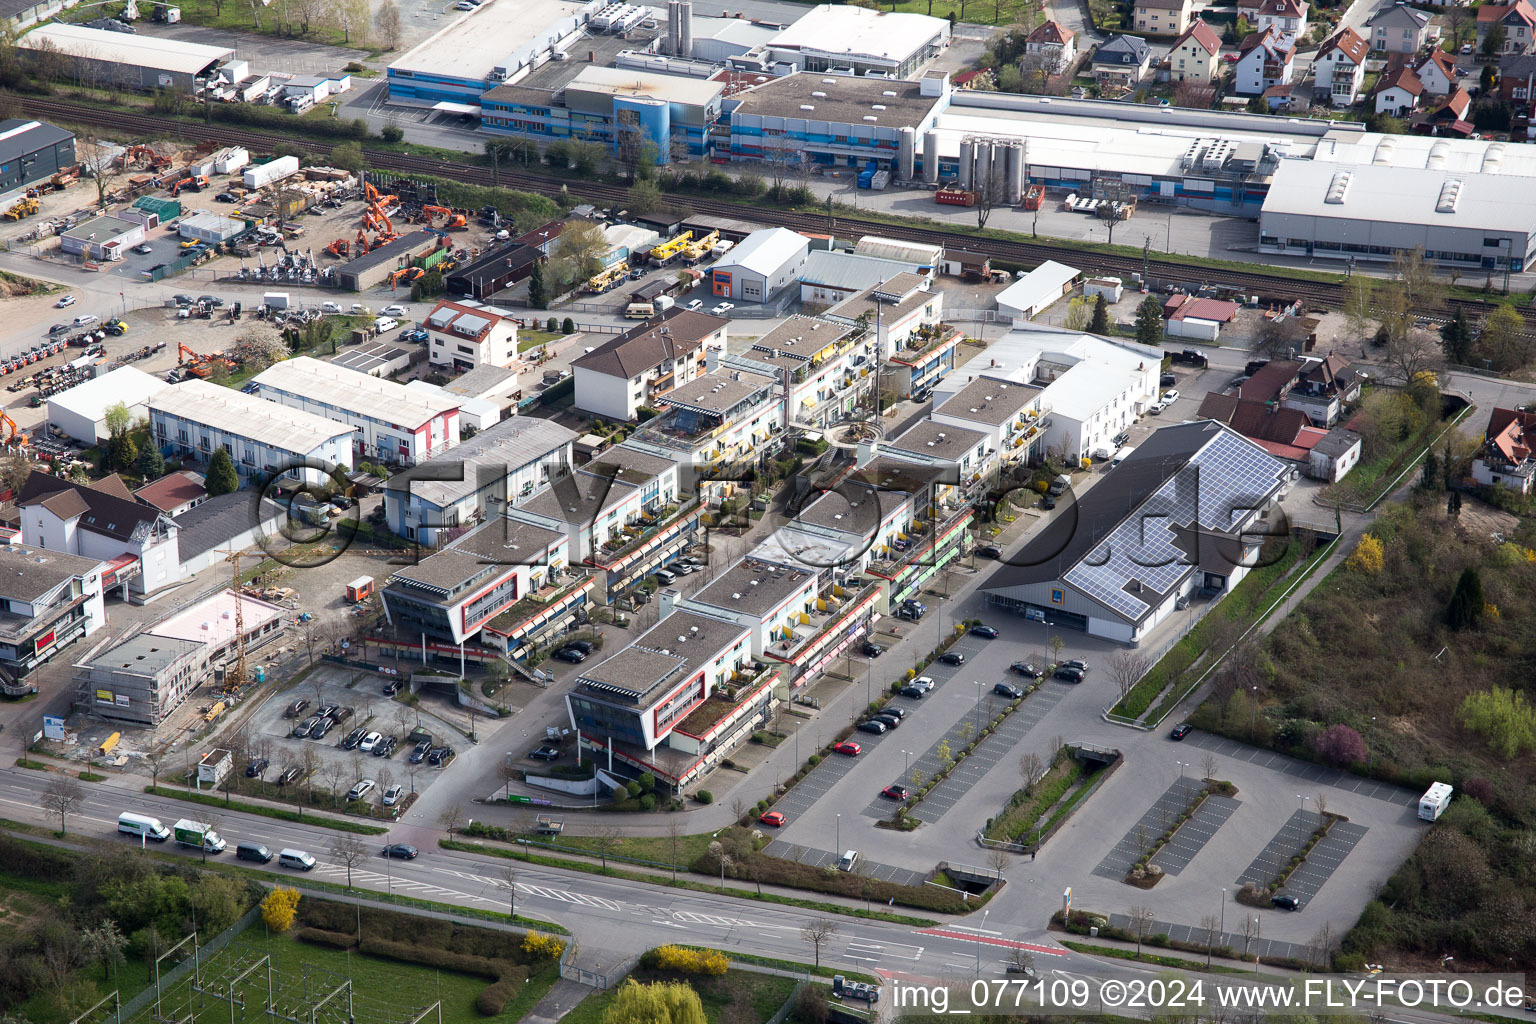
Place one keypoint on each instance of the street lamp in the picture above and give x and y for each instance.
(1253, 716)
(984, 914)
(839, 833)
(1370, 749)
(976, 717)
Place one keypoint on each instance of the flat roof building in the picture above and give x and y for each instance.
(264, 439)
(861, 40)
(392, 422)
(117, 59)
(32, 151)
(48, 600)
(142, 679)
(375, 266)
(81, 411)
(102, 238)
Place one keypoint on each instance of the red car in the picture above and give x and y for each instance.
(773, 818)
(895, 792)
(848, 747)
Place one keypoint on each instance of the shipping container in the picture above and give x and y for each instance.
(275, 170)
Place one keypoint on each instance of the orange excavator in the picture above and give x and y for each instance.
(143, 156)
(455, 221)
(199, 365)
(340, 248)
(405, 274)
(15, 437)
(196, 183)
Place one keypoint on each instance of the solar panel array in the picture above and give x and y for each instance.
(1218, 488)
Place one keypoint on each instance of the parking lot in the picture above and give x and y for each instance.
(271, 730)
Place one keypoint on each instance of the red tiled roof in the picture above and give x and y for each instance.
(1271, 379)
(1201, 33)
(1403, 78)
(1441, 60)
(1348, 42)
(1050, 32)
(1283, 8)
(1259, 421)
(1507, 432)
(1496, 13)
(172, 491)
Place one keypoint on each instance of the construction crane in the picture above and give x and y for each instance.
(668, 250)
(699, 247)
(239, 678)
(613, 276)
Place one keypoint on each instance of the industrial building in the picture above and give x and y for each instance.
(101, 238)
(139, 62)
(375, 358)
(210, 227)
(387, 421)
(81, 412)
(263, 438)
(373, 267)
(761, 266)
(496, 269)
(860, 41)
(32, 151)
(48, 600)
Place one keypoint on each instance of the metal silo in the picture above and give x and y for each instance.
(967, 162)
(906, 155)
(931, 157)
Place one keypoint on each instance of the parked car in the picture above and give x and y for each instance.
(984, 631)
(925, 683)
(872, 726)
(401, 851)
(256, 768)
(1285, 901)
(420, 753)
(396, 310)
(773, 818)
(1180, 731)
(387, 747)
(353, 739)
(952, 658)
(892, 711)
(340, 713)
(86, 319)
(361, 789)
(1069, 674)
(1047, 502)
(326, 710)
(305, 727)
(871, 650)
(849, 748)
(370, 742)
(584, 646)
(723, 308)
(1167, 380)
(1024, 669)
(571, 655)
(895, 792)
(392, 795)
(989, 551)
(226, 197)
(393, 687)
(545, 753)
(915, 692)
(322, 727)
(439, 757)
(1077, 663)
(1169, 397)
(59, 329)
(143, 248)
(65, 301)
(1008, 690)
(290, 774)
(1120, 439)
(889, 721)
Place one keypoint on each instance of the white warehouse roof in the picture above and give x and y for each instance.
(89, 401)
(695, 92)
(234, 412)
(763, 252)
(473, 46)
(145, 51)
(860, 31)
(1039, 288)
(1420, 196)
(355, 392)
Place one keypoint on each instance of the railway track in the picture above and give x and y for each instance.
(1269, 287)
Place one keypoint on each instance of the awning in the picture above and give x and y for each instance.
(448, 107)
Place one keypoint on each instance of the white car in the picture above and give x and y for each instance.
(86, 319)
(330, 307)
(358, 309)
(923, 683)
(362, 789)
(67, 300)
(393, 311)
(695, 305)
(392, 795)
(1156, 407)
(1169, 397)
(373, 739)
(723, 308)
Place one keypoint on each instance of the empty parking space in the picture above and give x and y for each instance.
(1287, 843)
(828, 859)
(819, 782)
(1192, 836)
(1163, 813)
(1312, 773)
(1324, 860)
(1249, 946)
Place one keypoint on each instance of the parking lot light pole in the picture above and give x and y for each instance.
(1370, 747)
(839, 833)
(984, 914)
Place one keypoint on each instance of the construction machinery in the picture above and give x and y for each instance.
(609, 279)
(14, 436)
(196, 183)
(199, 365)
(405, 274)
(341, 248)
(669, 250)
(453, 221)
(26, 206)
(699, 248)
(145, 158)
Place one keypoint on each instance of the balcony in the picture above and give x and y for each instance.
(925, 341)
(920, 538)
(832, 604)
(512, 619)
(643, 529)
(726, 700)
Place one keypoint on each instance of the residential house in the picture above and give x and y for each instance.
(1051, 47)
(174, 493)
(716, 428)
(1507, 457)
(465, 335)
(1334, 456)
(1437, 70)
(1319, 388)
(1449, 118)
(1400, 29)
(1161, 17)
(1283, 433)
(1194, 55)
(101, 522)
(1005, 411)
(823, 367)
(1517, 87)
(620, 377)
(1121, 61)
(1287, 17)
(1265, 60)
(1339, 68)
(904, 323)
(1515, 23)
(1398, 92)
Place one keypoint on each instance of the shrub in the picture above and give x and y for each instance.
(647, 780)
(321, 937)
(552, 325)
(682, 960)
(632, 788)
(1340, 746)
(433, 956)
(542, 947)
(568, 326)
(704, 796)
(648, 802)
(494, 998)
(278, 909)
(391, 133)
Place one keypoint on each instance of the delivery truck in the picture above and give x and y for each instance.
(198, 836)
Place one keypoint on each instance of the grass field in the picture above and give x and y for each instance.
(382, 991)
(736, 997)
(528, 338)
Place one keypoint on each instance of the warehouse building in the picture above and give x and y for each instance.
(197, 418)
(81, 412)
(101, 238)
(387, 421)
(139, 62)
(761, 266)
(210, 227)
(500, 268)
(373, 268)
(860, 41)
(32, 151)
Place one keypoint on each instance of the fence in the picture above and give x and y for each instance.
(598, 979)
(181, 970)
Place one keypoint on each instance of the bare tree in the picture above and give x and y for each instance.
(999, 861)
(1208, 766)
(1127, 668)
(1031, 767)
(818, 932)
(335, 772)
(1211, 925)
(991, 191)
(1142, 920)
(739, 807)
(1249, 930)
(508, 773)
(1323, 944)
(1321, 800)
(607, 837)
(385, 777)
(156, 760)
(349, 851)
(508, 876)
(387, 23)
(451, 818)
(62, 795)
(1022, 961)
(98, 160)
(411, 771)
(309, 761)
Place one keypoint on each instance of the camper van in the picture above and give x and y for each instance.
(639, 311)
(1434, 801)
(143, 826)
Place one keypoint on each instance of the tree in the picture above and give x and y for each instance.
(1077, 314)
(122, 451)
(999, 861)
(1149, 322)
(118, 419)
(151, 464)
(1360, 304)
(674, 833)
(818, 931)
(258, 346)
(387, 23)
(1502, 717)
(221, 477)
(97, 159)
(508, 876)
(1211, 925)
(607, 837)
(1430, 477)
(578, 253)
(349, 16)
(1099, 324)
(660, 1002)
(1142, 920)
(279, 907)
(1208, 766)
(1456, 338)
(1466, 606)
(104, 944)
(1127, 668)
(1493, 41)
(451, 818)
(349, 156)
(62, 795)
(1279, 336)
(1340, 745)
(349, 851)
(644, 196)
(538, 296)
(1504, 342)
(1031, 767)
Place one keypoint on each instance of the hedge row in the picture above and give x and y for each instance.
(413, 931)
(322, 937)
(777, 871)
(432, 956)
(497, 995)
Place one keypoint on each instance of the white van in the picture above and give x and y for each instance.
(385, 324)
(639, 311)
(1122, 455)
(143, 826)
(296, 859)
(849, 859)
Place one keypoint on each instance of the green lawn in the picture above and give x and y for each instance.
(528, 338)
(736, 997)
(656, 849)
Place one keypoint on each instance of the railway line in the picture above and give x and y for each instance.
(1269, 287)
